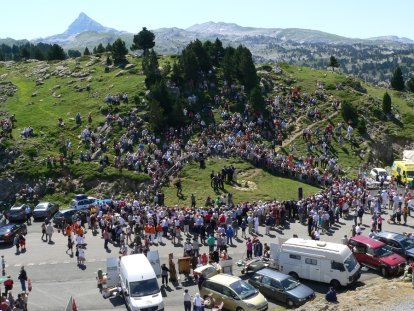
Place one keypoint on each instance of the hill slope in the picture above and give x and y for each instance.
(38, 93)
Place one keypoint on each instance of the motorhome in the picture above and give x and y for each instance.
(320, 261)
(139, 284)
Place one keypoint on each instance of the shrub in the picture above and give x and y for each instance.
(386, 103)
(32, 152)
(349, 113)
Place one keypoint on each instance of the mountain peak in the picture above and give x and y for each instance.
(84, 23)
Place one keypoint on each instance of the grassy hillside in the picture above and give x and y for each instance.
(253, 184)
(48, 91)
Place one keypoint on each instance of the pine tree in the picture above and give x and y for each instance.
(100, 49)
(386, 103)
(144, 40)
(119, 51)
(333, 62)
(86, 52)
(397, 80)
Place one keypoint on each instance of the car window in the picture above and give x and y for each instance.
(227, 291)
(337, 266)
(266, 280)
(293, 256)
(310, 261)
(394, 244)
(256, 277)
(275, 283)
(370, 251)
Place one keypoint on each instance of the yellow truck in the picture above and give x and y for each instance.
(403, 171)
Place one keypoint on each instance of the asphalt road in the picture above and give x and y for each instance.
(55, 275)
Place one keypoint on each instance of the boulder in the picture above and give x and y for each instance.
(120, 73)
(34, 94)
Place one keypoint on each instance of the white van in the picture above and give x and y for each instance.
(139, 284)
(320, 261)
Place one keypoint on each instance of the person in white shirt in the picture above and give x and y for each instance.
(198, 302)
(358, 229)
(187, 300)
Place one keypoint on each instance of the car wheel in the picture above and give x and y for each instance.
(335, 284)
(384, 272)
(294, 275)
(239, 309)
(290, 303)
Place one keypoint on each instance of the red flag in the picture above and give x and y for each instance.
(74, 306)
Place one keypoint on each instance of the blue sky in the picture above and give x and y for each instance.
(352, 18)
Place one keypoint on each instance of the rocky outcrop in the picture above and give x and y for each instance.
(7, 89)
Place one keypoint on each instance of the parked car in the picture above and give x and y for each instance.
(45, 210)
(275, 285)
(82, 201)
(399, 243)
(8, 232)
(376, 255)
(18, 213)
(64, 216)
(235, 293)
(379, 173)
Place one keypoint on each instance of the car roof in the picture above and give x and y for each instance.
(224, 279)
(67, 210)
(8, 226)
(391, 235)
(367, 240)
(272, 274)
(18, 206)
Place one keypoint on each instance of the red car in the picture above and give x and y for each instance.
(376, 255)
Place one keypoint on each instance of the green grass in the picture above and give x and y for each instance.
(269, 187)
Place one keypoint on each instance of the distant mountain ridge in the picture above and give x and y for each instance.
(84, 23)
(371, 59)
(226, 31)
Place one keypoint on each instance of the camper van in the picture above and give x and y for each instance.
(139, 284)
(405, 169)
(320, 261)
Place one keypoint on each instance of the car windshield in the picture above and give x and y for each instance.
(243, 290)
(383, 251)
(41, 207)
(407, 243)
(289, 283)
(350, 263)
(144, 288)
(15, 208)
(382, 173)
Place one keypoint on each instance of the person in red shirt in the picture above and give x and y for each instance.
(8, 284)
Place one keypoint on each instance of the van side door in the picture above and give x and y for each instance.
(312, 270)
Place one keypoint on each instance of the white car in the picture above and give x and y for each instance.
(381, 173)
(81, 201)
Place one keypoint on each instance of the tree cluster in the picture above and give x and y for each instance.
(39, 51)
